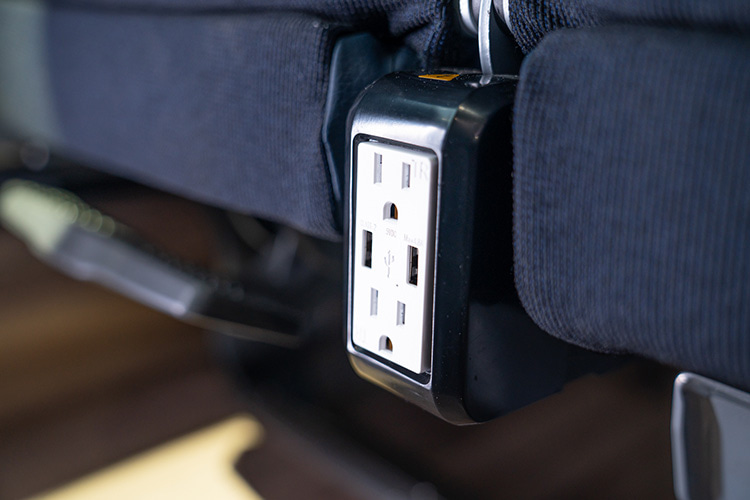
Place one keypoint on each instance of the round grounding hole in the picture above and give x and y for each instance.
(390, 211)
(386, 344)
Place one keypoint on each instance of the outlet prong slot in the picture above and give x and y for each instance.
(373, 302)
(400, 313)
(378, 176)
(412, 257)
(390, 211)
(405, 175)
(386, 344)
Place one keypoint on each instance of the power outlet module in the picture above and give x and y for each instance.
(432, 311)
(391, 298)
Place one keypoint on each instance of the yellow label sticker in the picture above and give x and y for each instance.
(445, 77)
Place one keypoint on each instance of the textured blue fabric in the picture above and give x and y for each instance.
(632, 194)
(220, 101)
(195, 105)
(530, 20)
(419, 23)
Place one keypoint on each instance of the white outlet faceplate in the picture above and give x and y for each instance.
(394, 231)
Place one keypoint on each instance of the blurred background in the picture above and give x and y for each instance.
(89, 379)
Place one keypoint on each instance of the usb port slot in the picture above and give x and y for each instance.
(367, 257)
(412, 258)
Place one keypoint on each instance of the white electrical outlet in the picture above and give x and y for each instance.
(394, 233)
(432, 313)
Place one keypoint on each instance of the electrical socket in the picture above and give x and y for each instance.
(451, 337)
(394, 253)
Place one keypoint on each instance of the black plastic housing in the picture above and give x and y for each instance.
(488, 357)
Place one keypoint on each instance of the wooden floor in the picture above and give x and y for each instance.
(88, 378)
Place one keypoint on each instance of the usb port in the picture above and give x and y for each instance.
(367, 258)
(400, 313)
(412, 258)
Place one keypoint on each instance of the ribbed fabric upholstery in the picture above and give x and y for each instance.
(419, 23)
(632, 194)
(218, 100)
(532, 19)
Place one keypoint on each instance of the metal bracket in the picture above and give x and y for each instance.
(468, 10)
(82, 242)
(488, 21)
(710, 439)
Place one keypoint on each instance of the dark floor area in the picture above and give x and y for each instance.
(88, 378)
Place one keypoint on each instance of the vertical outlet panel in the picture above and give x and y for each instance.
(393, 254)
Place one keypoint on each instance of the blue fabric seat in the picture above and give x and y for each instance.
(632, 178)
(632, 194)
(219, 101)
